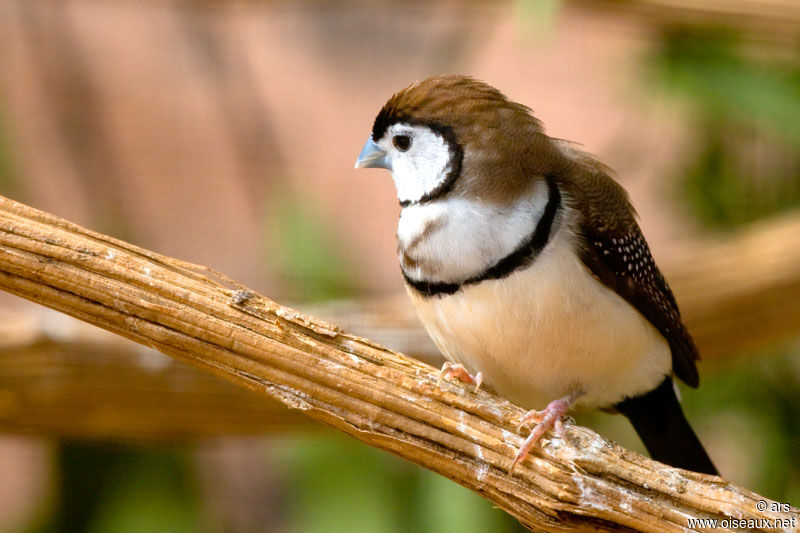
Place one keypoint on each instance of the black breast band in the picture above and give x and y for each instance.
(521, 257)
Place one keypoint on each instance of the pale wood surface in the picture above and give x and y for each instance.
(378, 396)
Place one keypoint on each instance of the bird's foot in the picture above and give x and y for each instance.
(550, 418)
(457, 371)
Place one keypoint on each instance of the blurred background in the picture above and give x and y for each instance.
(224, 133)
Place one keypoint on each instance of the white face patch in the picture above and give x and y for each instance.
(423, 166)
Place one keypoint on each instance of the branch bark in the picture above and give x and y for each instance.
(380, 397)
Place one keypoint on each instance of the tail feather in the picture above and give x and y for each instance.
(658, 419)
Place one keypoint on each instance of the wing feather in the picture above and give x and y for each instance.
(616, 252)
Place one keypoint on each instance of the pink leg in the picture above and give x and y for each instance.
(460, 373)
(550, 418)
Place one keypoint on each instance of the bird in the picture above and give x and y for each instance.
(526, 265)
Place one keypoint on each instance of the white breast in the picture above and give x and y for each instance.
(548, 330)
(463, 237)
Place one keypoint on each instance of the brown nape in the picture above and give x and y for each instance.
(499, 171)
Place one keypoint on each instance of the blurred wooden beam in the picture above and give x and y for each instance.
(741, 294)
(62, 378)
(380, 397)
(773, 21)
(775, 11)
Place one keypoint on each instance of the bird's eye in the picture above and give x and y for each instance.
(402, 142)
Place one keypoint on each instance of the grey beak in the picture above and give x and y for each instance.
(372, 156)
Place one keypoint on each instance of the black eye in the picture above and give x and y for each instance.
(402, 142)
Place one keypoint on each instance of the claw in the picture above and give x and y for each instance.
(549, 418)
(531, 416)
(460, 373)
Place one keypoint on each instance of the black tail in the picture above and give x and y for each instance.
(658, 419)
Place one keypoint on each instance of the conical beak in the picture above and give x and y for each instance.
(372, 156)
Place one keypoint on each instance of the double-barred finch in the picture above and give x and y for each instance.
(526, 265)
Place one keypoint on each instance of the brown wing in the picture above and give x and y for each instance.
(616, 252)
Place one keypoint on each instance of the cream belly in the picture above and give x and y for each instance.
(547, 331)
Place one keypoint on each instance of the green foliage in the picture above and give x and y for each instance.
(761, 394)
(709, 68)
(746, 161)
(8, 181)
(303, 250)
(156, 495)
(536, 16)
(338, 484)
(116, 488)
(744, 99)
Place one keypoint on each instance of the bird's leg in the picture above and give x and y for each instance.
(460, 373)
(550, 418)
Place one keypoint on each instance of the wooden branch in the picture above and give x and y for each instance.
(738, 294)
(380, 397)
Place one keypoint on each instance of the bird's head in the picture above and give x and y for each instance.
(454, 135)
